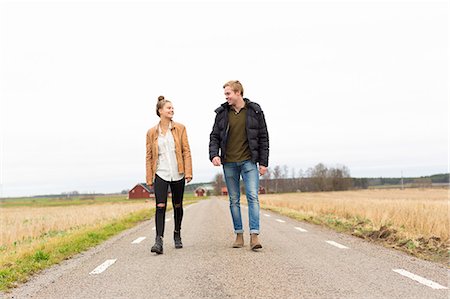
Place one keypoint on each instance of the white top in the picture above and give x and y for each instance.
(167, 168)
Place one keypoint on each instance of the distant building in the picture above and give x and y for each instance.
(141, 190)
(262, 190)
(200, 191)
(224, 191)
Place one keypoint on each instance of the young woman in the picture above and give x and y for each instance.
(168, 163)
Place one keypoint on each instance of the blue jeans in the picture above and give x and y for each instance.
(250, 174)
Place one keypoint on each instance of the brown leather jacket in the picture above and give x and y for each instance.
(182, 151)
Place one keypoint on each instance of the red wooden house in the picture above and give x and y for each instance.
(261, 190)
(141, 191)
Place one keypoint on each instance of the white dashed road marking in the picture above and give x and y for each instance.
(167, 219)
(103, 266)
(138, 240)
(420, 279)
(279, 220)
(267, 215)
(153, 228)
(337, 245)
(300, 229)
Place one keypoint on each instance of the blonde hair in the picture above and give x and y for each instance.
(161, 102)
(236, 86)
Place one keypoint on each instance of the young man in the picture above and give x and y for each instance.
(240, 142)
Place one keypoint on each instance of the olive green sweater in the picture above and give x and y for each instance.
(237, 145)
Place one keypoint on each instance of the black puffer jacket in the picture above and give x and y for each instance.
(257, 135)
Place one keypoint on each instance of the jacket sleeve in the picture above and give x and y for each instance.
(187, 158)
(148, 160)
(214, 139)
(263, 140)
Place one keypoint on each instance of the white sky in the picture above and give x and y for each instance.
(359, 83)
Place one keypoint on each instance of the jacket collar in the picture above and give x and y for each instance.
(248, 104)
(172, 126)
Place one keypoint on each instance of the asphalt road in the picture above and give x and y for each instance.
(298, 260)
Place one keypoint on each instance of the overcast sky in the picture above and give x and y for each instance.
(363, 84)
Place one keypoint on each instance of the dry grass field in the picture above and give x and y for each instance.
(22, 224)
(39, 232)
(420, 212)
(413, 220)
(36, 233)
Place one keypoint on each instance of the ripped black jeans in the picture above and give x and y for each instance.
(161, 189)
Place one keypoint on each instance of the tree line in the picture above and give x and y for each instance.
(314, 179)
(321, 178)
(282, 179)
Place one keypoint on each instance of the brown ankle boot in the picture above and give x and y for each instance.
(254, 242)
(239, 242)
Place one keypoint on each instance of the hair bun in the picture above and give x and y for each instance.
(160, 98)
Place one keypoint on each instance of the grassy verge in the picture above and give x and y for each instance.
(18, 264)
(432, 249)
(23, 259)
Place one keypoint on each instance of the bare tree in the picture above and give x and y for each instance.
(319, 177)
(266, 178)
(293, 182)
(277, 176)
(300, 181)
(285, 172)
(293, 173)
(340, 178)
(218, 184)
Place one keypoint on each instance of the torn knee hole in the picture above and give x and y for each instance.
(178, 206)
(160, 205)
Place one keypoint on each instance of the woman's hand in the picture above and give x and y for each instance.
(188, 180)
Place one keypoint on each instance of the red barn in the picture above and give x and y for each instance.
(141, 191)
(224, 191)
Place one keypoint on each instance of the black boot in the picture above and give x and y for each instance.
(158, 247)
(177, 239)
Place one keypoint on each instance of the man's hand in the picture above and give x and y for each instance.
(262, 170)
(216, 161)
(188, 180)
